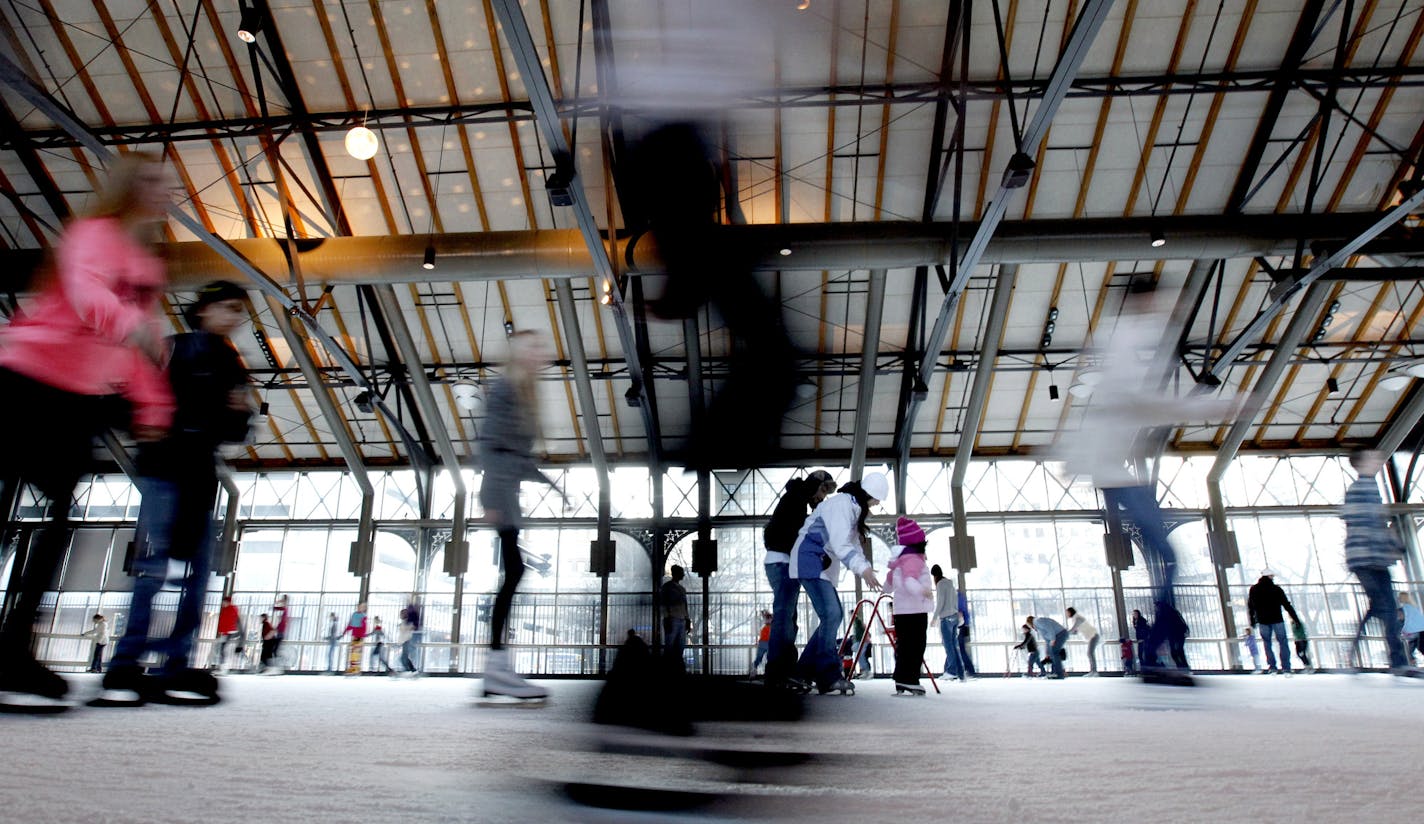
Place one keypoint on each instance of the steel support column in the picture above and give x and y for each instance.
(1085, 30)
(298, 342)
(578, 361)
(870, 349)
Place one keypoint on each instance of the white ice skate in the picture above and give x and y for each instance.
(503, 687)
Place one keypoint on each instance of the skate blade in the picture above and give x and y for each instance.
(24, 703)
(636, 798)
(185, 699)
(508, 703)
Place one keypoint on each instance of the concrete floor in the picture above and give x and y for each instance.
(330, 749)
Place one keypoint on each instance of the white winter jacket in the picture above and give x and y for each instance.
(910, 584)
(829, 531)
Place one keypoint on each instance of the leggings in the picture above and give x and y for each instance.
(513, 562)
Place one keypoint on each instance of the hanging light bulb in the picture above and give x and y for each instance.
(362, 143)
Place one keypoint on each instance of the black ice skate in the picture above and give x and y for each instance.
(29, 688)
(1168, 677)
(124, 685)
(841, 686)
(908, 689)
(185, 688)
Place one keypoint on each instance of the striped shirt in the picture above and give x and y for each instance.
(1369, 542)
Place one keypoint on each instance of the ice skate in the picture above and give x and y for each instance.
(504, 688)
(910, 690)
(126, 685)
(185, 687)
(1168, 677)
(1407, 672)
(841, 686)
(28, 687)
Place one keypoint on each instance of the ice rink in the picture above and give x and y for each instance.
(332, 749)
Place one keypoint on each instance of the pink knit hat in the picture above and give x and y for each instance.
(908, 532)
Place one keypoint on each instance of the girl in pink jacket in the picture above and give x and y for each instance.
(909, 582)
(84, 348)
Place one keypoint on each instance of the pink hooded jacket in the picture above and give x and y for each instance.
(74, 336)
(909, 583)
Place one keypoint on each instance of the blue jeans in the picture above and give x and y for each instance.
(675, 639)
(949, 637)
(331, 646)
(781, 645)
(165, 503)
(1055, 646)
(964, 659)
(410, 653)
(820, 660)
(1279, 630)
(1380, 590)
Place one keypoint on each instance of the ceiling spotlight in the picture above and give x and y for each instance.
(467, 394)
(606, 300)
(429, 262)
(1332, 386)
(1053, 391)
(785, 252)
(509, 328)
(805, 389)
(249, 24)
(803, 5)
(363, 403)
(1080, 390)
(262, 414)
(1395, 382)
(362, 143)
(1158, 239)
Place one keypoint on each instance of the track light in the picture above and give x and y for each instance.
(363, 403)
(362, 143)
(1332, 386)
(1158, 239)
(249, 24)
(1053, 391)
(429, 262)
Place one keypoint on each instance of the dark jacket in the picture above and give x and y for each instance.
(1141, 627)
(203, 371)
(1265, 602)
(1027, 644)
(788, 516)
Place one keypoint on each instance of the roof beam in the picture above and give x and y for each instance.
(1085, 30)
(1404, 422)
(548, 119)
(573, 335)
(983, 373)
(1257, 81)
(415, 374)
(1304, 320)
(870, 347)
(1283, 292)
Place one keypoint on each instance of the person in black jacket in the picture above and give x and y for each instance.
(800, 496)
(178, 480)
(1266, 602)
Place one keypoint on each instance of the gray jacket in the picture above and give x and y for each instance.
(506, 443)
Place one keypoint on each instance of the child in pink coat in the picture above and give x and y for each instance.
(909, 583)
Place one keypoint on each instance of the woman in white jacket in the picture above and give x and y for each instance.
(831, 538)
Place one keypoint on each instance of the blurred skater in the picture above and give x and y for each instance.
(675, 616)
(799, 497)
(1413, 626)
(1112, 444)
(279, 634)
(410, 635)
(99, 632)
(830, 538)
(947, 616)
(908, 581)
(91, 335)
(966, 661)
(378, 648)
(356, 628)
(1268, 605)
(1129, 661)
(1078, 625)
(763, 641)
(333, 640)
(1141, 631)
(178, 476)
(230, 633)
(1054, 638)
(1030, 647)
(1371, 548)
(1302, 644)
(507, 451)
(1248, 639)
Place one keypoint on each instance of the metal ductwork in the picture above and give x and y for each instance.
(561, 253)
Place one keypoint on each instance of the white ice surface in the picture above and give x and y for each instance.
(330, 749)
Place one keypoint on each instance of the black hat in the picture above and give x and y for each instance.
(215, 292)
